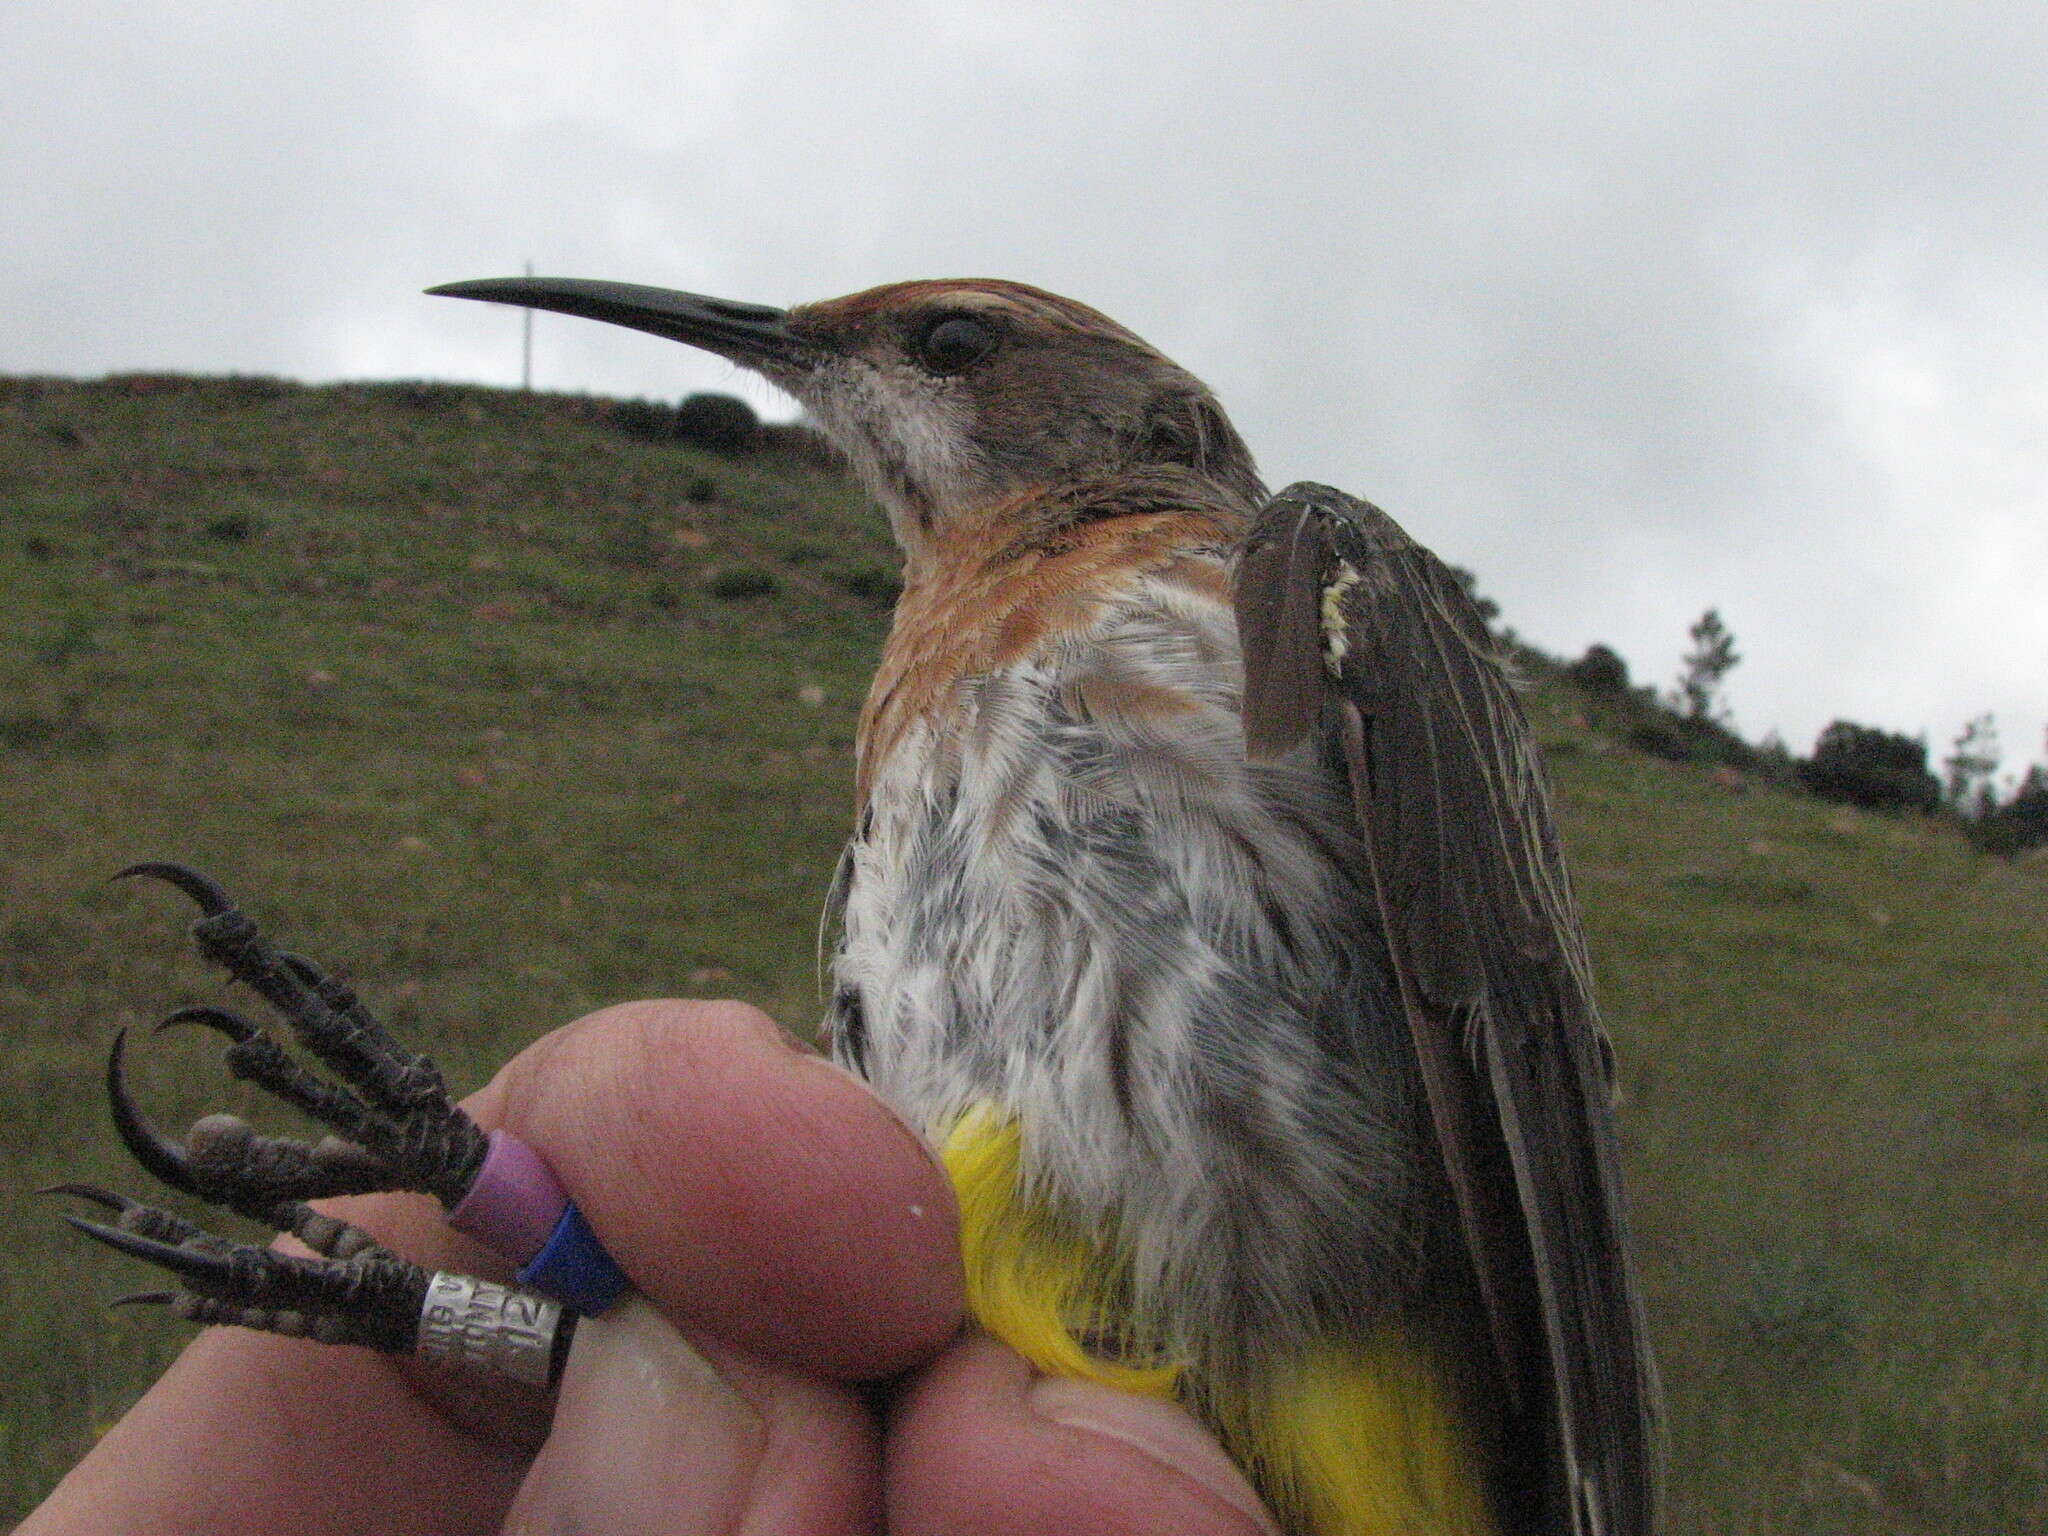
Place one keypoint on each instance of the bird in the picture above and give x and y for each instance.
(1205, 909)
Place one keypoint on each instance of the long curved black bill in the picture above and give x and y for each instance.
(752, 335)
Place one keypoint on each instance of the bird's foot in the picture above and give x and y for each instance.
(390, 1109)
(393, 1127)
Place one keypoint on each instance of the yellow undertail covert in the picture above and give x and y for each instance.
(1347, 1442)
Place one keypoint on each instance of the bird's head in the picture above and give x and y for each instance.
(954, 400)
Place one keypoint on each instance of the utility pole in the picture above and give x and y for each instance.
(526, 344)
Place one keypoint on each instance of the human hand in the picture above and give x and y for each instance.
(790, 1238)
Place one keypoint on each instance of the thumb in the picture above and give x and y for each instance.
(652, 1438)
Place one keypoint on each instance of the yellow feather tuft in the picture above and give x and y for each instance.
(1046, 1287)
(1362, 1441)
(1357, 1440)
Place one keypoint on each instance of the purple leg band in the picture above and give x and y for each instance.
(516, 1203)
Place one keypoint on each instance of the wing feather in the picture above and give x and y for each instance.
(1351, 627)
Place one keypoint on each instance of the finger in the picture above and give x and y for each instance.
(659, 1435)
(744, 1183)
(253, 1433)
(979, 1443)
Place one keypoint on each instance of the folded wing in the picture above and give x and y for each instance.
(1353, 632)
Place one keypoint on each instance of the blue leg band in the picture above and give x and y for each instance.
(574, 1268)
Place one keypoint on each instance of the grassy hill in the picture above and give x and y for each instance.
(513, 713)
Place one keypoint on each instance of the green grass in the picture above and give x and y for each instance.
(505, 711)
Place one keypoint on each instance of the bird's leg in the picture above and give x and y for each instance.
(394, 1128)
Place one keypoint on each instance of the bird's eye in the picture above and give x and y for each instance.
(954, 344)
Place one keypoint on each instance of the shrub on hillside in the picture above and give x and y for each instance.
(1601, 670)
(1862, 765)
(2019, 824)
(874, 584)
(743, 582)
(722, 423)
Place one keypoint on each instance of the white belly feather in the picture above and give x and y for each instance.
(1073, 897)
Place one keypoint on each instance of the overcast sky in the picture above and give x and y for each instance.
(1635, 310)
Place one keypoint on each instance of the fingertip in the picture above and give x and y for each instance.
(1186, 1455)
(744, 1182)
(979, 1442)
(656, 1432)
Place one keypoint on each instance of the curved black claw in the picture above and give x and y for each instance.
(145, 1299)
(105, 1198)
(208, 1269)
(208, 893)
(373, 1297)
(147, 1145)
(233, 1025)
